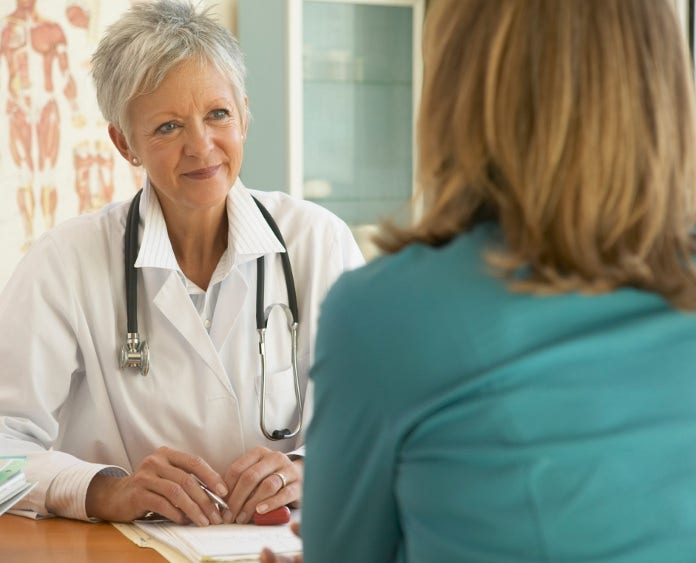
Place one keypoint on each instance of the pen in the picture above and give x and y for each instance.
(215, 498)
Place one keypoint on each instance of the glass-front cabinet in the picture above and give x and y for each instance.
(333, 88)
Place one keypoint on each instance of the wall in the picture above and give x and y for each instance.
(227, 11)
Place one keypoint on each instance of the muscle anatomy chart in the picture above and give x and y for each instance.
(56, 159)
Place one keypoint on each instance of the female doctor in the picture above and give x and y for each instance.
(119, 420)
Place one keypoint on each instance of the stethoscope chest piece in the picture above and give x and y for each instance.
(135, 353)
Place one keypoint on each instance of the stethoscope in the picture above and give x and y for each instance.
(135, 353)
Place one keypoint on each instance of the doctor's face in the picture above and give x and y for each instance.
(188, 135)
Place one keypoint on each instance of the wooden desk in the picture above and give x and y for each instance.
(58, 540)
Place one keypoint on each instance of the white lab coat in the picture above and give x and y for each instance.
(63, 321)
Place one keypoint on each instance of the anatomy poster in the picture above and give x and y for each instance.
(56, 158)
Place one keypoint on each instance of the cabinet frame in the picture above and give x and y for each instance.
(295, 109)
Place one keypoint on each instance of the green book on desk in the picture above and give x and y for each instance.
(13, 482)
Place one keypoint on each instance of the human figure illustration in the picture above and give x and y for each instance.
(94, 174)
(93, 154)
(35, 51)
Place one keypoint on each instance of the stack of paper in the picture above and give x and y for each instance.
(224, 542)
(13, 482)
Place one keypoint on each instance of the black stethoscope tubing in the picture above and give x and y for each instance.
(132, 247)
(260, 272)
(136, 353)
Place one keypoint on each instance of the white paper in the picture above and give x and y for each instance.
(16, 497)
(224, 542)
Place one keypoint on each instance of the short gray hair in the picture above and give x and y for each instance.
(147, 42)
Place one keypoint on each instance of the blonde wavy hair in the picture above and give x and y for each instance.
(572, 124)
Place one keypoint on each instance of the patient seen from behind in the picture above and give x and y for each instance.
(516, 379)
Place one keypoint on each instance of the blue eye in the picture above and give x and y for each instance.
(166, 127)
(219, 113)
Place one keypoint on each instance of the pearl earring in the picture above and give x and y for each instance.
(135, 161)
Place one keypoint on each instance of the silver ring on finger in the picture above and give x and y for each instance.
(282, 478)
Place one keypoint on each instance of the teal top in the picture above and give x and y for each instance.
(457, 421)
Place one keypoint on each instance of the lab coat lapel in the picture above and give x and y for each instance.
(230, 303)
(249, 237)
(175, 304)
(161, 272)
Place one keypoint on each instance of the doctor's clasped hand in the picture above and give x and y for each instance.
(168, 483)
(138, 357)
(260, 481)
(164, 483)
